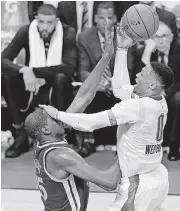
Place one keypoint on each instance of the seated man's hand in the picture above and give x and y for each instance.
(41, 81)
(50, 110)
(30, 80)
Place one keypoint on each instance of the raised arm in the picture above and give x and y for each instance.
(71, 162)
(88, 89)
(122, 88)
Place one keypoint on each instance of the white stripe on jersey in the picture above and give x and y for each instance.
(75, 192)
(65, 183)
(70, 196)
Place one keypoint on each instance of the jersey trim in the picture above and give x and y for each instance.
(46, 145)
(44, 164)
(72, 194)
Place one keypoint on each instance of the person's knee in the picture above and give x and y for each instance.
(61, 78)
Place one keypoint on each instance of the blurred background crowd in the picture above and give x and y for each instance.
(81, 49)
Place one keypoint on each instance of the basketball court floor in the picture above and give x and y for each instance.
(29, 200)
(19, 186)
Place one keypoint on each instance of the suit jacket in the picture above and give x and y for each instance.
(21, 41)
(67, 12)
(89, 53)
(122, 6)
(33, 6)
(168, 18)
(173, 63)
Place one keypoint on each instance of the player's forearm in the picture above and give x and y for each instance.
(146, 57)
(120, 77)
(88, 89)
(85, 122)
(114, 174)
(111, 177)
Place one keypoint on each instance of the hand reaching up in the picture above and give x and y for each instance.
(123, 40)
(109, 45)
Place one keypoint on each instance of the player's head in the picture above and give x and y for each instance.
(41, 127)
(105, 10)
(153, 80)
(47, 19)
(163, 37)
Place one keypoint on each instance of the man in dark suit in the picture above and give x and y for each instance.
(90, 49)
(122, 6)
(165, 48)
(72, 12)
(20, 80)
(164, 16)
(176, 12)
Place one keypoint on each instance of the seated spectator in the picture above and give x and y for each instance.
(90, 49)
(164, 16)
(33, 7)
(165, 48)
(78, 14)
(176, 12)
(121, 7)
(50, 49)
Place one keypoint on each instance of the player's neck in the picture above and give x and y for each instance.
(156, 97)
(53, 140)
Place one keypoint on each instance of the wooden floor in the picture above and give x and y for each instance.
(19, 172)
(26, 200)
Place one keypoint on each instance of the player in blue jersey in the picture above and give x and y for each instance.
(61, 172)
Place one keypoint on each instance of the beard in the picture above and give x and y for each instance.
(45, 35)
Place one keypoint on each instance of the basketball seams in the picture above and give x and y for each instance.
(142, 21)
(153, 19)
(131, 27)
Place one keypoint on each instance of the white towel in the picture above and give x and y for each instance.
(38, 56)
(37, 49)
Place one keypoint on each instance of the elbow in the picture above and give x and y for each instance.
(111, 186)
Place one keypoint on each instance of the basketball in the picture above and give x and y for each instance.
(140, 22)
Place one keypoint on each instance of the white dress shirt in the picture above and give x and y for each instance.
(79, 12)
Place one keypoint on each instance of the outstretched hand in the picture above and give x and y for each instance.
(109, 35)
(50, 110)
(123, 40)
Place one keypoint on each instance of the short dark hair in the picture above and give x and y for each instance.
(34, 123)
(47, 9)
(105, 5)
(164, 73)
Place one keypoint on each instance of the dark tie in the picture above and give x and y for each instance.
(161, 55)
(46, 45)
(84, 16)
(103, 46)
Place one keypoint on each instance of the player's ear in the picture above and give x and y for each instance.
(115, 18)
(45, 129)
(96, 18)
(153, 86)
